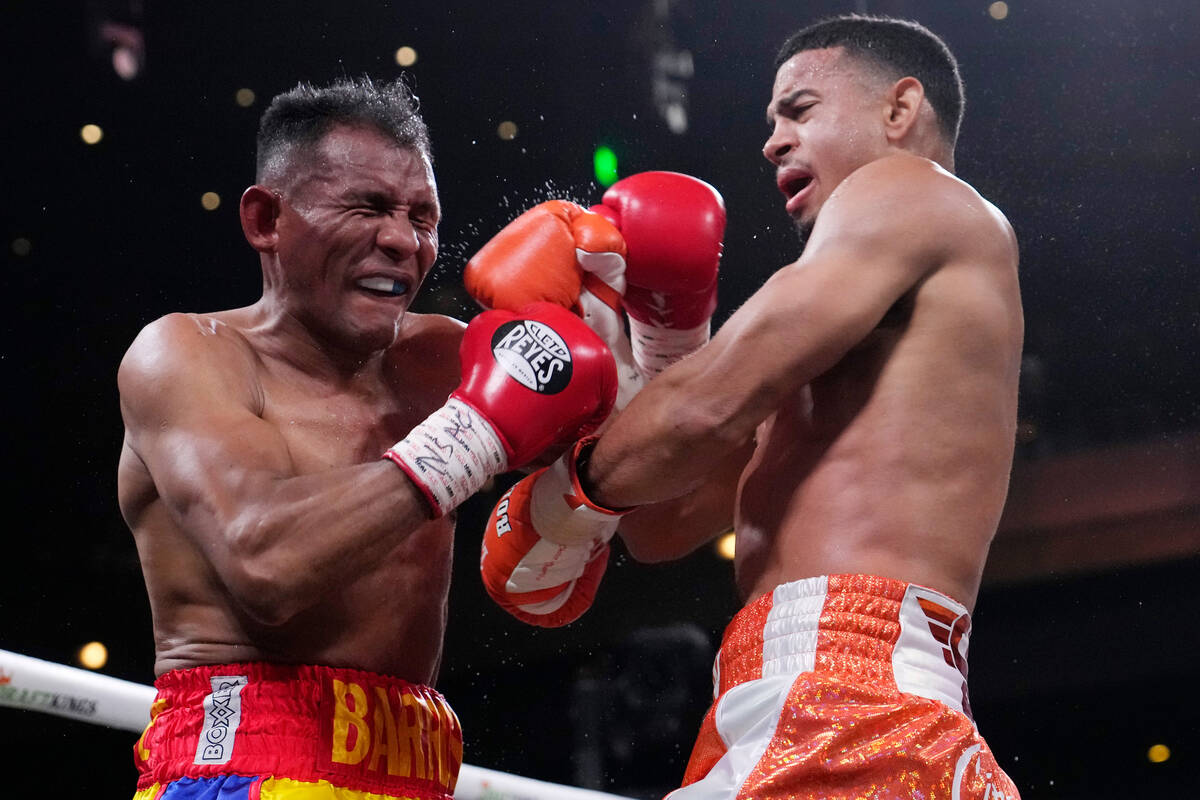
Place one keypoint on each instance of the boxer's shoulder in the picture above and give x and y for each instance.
(912, 204)
(185, 349)
(431, 328)
(422, 366)
(218, 336)
(887, 192)
(428, 344)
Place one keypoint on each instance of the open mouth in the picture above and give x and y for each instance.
(793, 186)
(796, 189)
(385, 287)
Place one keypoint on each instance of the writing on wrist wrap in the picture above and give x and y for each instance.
(655, 348)
(450, 455)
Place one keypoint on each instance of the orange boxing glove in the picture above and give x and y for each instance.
(560, 253)
(545, 548)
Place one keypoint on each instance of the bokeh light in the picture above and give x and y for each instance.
(1158, 753)
(604, 162)
(91, 134)
(725, 545)
(93, 655)
(406, 56)
(507, 130)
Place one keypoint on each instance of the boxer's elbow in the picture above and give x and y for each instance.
(264, 597)
(651, 549)
(261, 579)
(676, 528)
(641, 538)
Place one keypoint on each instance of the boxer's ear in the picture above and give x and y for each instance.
(259, 210)
(904, 100)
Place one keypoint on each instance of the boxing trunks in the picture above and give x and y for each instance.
(844, 686)
(280, 732)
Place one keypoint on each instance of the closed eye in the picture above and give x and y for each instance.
(796, 112)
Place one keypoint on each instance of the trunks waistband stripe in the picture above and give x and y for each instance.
(860, 627)
(355, 729)
(234, 787)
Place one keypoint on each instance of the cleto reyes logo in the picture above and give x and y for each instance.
(533, 354)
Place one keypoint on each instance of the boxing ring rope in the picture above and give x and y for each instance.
(36, 685)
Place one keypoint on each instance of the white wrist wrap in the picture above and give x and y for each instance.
(655, 348)
(450, 454)
(561, 516)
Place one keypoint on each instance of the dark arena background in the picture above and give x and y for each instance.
(1082, 124)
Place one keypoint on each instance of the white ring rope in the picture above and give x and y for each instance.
(37, 685)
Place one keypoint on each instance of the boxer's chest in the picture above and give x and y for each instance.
(330, 430)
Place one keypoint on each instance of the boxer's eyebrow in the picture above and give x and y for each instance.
(369, 196)
(787, 101)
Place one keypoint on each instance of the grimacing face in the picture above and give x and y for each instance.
(826, 116)
(357, 236)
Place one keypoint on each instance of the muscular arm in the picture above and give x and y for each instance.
(882, 231)
(278, 540)
(674, 528)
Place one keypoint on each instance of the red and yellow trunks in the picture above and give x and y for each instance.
(281, 732)
(844, 687)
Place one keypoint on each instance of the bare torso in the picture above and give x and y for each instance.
(896, 461)
(389, 618)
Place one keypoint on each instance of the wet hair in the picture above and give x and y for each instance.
(900, 48)
(303, 115)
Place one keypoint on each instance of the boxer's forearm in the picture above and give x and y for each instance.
(305, 536)
(674, 433)
(704, 407)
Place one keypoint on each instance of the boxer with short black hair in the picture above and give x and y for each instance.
(290, 470)
(877, 380)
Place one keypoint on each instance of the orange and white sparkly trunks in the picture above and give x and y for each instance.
(841, 687)
(282, 732)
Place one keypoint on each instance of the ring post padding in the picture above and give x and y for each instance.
(37, 685)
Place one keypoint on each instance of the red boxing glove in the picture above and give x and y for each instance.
(673, 225)
(560, 253)
(530, 380)
(545, 548)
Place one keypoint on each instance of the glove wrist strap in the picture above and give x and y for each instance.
(561, 512)
(450, 455)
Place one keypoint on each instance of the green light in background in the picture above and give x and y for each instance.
(605, 162)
